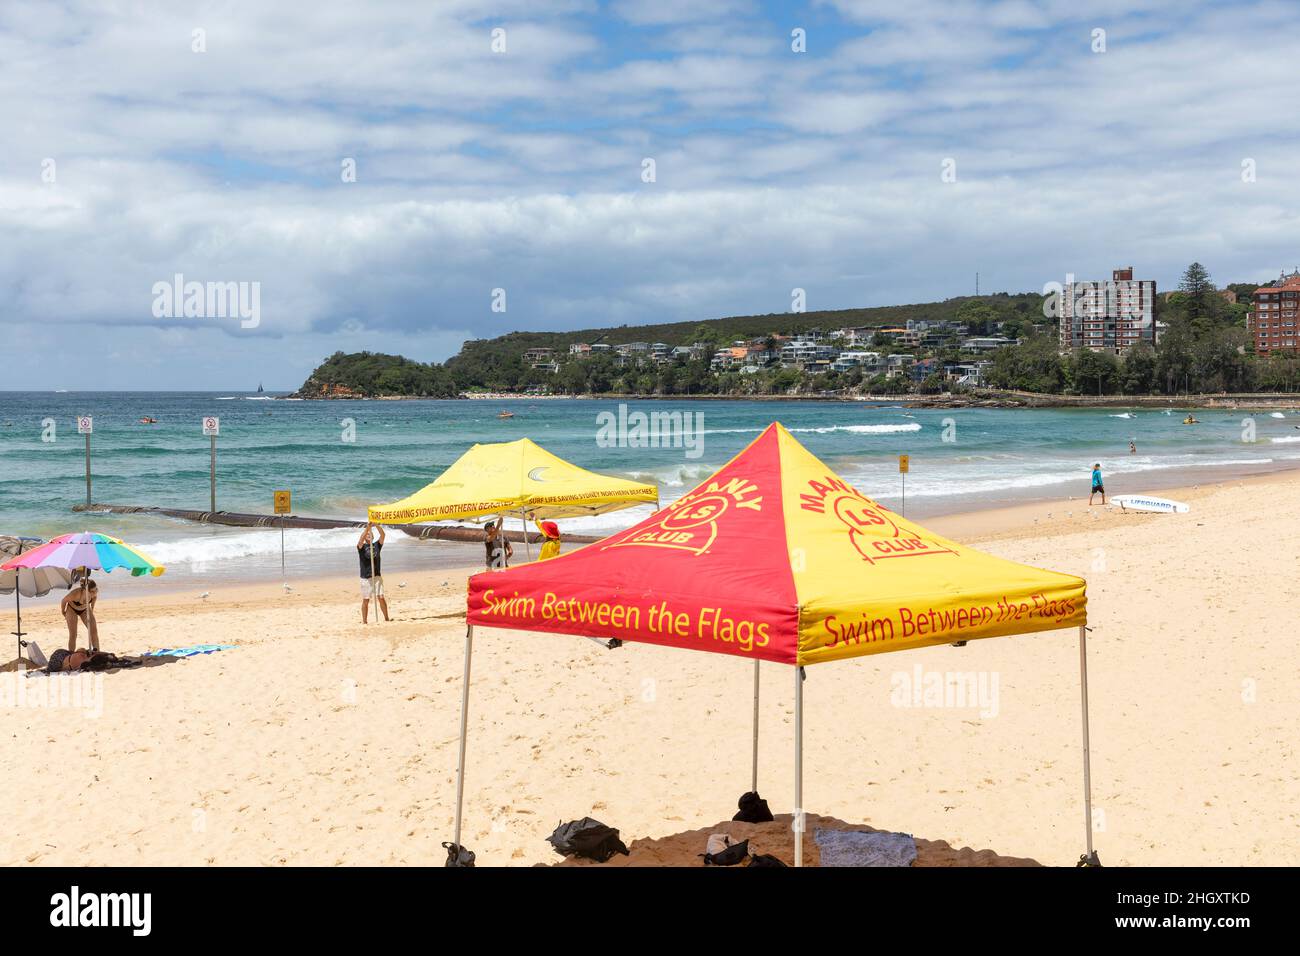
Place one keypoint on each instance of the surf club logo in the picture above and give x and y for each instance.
(872, 530)
(691, 522)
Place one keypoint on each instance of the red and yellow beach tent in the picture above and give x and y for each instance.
(776, 558)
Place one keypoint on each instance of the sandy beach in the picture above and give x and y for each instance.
(317, 740)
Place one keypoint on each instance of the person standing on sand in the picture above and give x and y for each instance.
(372, 578)
(1097, 486)
(79, 605)
(497, 548)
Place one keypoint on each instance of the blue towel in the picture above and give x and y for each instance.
(190, 651)
(858, 848)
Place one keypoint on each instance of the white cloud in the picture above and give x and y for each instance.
(522, 170)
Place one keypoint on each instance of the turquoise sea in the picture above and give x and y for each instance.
(960, 459)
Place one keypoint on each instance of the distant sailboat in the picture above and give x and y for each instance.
(260, 390)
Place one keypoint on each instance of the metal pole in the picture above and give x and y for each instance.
(18, 601)
(213, 474)
(1087, 765)
(464, 725)
(904, 511)
(798, 766)
(87, 469)
(372, 573)
(523, 519)
(372, 558)
(753, 780)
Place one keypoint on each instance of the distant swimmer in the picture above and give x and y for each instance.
(1132, 448)
(1191, 420)
(1097, 486)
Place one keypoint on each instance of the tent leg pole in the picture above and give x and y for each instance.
(1087, 762)
(464, 727)
(798, 767)
(523, 522)
(753, 778)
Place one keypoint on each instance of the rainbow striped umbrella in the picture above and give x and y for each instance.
(90, 550)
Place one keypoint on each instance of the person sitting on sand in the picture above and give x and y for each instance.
(79, 605)
(1097, 486)
(496, 546)
(372, 579)
(551, 546)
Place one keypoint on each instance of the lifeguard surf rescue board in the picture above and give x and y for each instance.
(1144, 503)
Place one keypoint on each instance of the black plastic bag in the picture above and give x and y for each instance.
(458, 856)
(587, 838)
(733, 854)
(753, 809)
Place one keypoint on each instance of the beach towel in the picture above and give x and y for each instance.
(190, 651)
(858, 848)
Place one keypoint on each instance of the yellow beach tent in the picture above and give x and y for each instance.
(517, 477)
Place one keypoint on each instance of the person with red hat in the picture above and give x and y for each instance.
(551, 547)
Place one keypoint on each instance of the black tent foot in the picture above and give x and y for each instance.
(458, 855)
(1089, 859)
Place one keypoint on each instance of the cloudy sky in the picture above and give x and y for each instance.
(379, 168)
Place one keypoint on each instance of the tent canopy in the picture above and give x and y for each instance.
(776, 558)
(514, 476)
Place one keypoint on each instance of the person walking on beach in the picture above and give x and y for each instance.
(497, 548)
(372, 577)
(551, 546)
(1097, 486)
(79, 605)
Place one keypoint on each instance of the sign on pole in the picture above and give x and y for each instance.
(283, 506)
(904, 464)
(85, 426)
(212, 428)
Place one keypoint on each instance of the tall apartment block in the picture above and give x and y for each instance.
(1108, 316)
(1272, 315)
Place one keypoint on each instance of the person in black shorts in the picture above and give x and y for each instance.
(372, 579)
(1097, 487)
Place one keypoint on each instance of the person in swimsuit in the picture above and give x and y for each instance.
(79, 605)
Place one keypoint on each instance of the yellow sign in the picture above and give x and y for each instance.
(283, 502)
(904, 462)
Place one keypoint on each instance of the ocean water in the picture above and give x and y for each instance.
(961, 459)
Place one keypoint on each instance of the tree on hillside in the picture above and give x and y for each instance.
(1200, 300)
